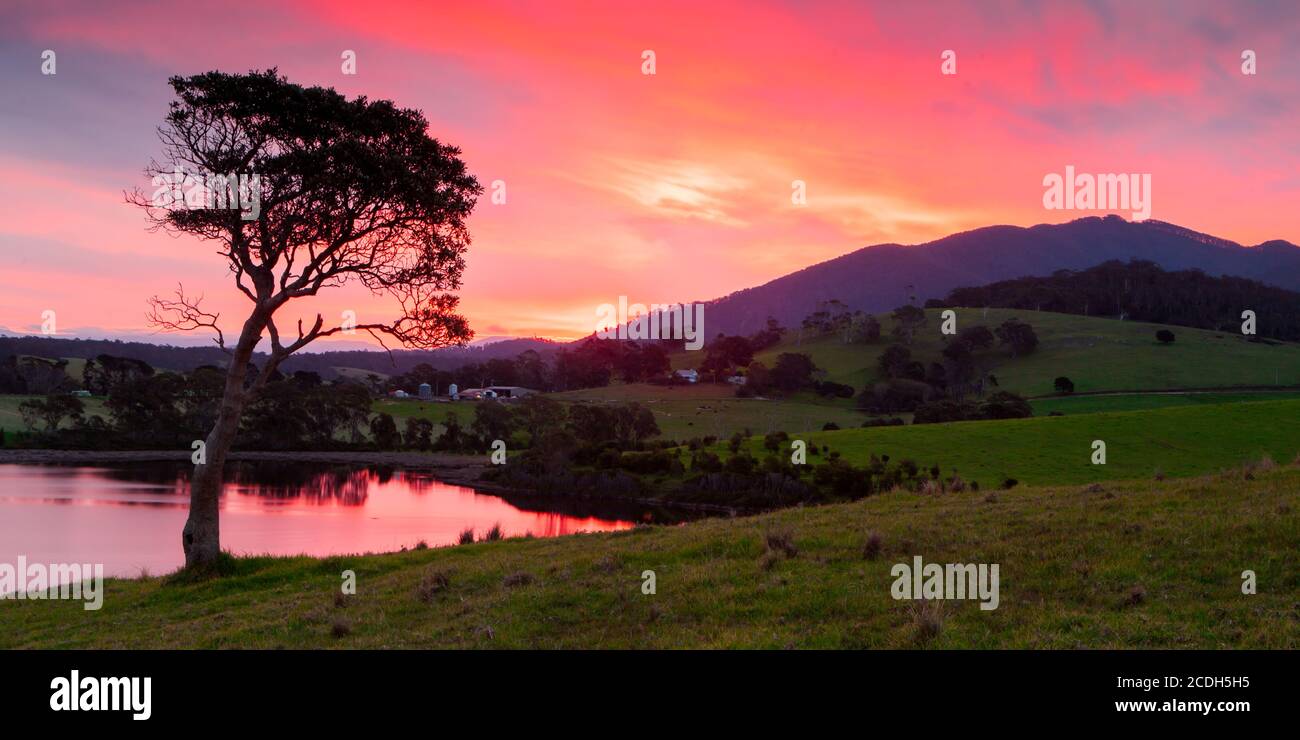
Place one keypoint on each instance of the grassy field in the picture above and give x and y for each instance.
(1134, 565)
(404, 408)
(1178, 442)
(708, 409)
(11, 420)
(1096, 354)
(1143, 401)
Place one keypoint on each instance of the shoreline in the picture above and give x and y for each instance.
(454, 469)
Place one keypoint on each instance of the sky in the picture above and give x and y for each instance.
(668, 187)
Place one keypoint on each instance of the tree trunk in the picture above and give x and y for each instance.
(201, 538)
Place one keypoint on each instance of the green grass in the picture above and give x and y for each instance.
(1097, 354)
(709, 409)
(402, 409)
(1142, 401)
(1069, 558)
(1178, 442)
(12, 420)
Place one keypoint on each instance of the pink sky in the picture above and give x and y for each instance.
(671, 187)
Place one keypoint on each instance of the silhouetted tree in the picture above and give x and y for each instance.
(1019, 336)
(907, 319)
(350, 191)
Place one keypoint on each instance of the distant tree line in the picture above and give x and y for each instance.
(1142, 291)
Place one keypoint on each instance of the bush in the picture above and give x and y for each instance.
(781, 542)
(871, 550)
(519, 578)
(432, 583)
(895, 396)
(742, 464)
(833, 390)
(946, 410)
(704, 461)
(735, 442)
(1064, 385)
(772, 440)
(1004, 405)
(1164, 336)
(647, 463)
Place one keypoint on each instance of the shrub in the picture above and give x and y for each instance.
(828, 389)
(735, 442)
(742, 464)
(1004, 405)
(342, 627)
(781, 541)
(432, 583)
(518, 578)
(494, 534)
(466, 536)
(647, 463)
(871, 550)
(773, 440)
(927, 618)
(704, 461)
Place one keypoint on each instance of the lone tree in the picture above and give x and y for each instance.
(1064, 385)
(350, 191)
(1164, 336)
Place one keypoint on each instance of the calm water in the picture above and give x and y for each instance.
(130, 517)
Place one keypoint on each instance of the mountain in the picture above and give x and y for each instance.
(877, 278)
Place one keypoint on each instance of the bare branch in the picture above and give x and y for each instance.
(183, 314)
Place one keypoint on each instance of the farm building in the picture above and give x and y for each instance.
(511, 391)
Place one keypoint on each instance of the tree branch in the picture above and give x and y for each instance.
(183, 314)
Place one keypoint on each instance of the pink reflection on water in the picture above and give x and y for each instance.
(101, 515)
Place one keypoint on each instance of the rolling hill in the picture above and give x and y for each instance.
(1097, 354)
(1070, 561)
(1176, 442)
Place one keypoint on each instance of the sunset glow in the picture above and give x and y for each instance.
(664, 188)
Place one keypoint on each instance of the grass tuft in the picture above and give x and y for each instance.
(432, 583)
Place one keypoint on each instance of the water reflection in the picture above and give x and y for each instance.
(129, 516)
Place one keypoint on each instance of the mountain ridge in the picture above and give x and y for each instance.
(881, 277)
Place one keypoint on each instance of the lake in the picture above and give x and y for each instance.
(129, 517)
